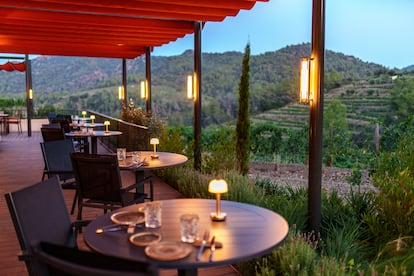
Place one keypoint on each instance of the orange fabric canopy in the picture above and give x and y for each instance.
(104, 28)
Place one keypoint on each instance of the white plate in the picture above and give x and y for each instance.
(168, 251)
(128, 217)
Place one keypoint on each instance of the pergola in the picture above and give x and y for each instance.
(126, 29)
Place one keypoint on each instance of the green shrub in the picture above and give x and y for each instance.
(394, 178)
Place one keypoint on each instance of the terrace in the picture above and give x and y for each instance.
(21, 165)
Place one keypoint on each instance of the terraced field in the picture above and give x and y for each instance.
(365, 103)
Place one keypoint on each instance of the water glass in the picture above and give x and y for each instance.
(136, 157)
(152, 212)
(189, 227)
(121, 153)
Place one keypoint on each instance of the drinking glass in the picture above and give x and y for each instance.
(189, 227)
(152, 212)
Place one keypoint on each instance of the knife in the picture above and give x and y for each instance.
(212, 247)
(203, 244)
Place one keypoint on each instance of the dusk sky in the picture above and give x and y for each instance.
(380, 31)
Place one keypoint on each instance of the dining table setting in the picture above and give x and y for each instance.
(182, 234)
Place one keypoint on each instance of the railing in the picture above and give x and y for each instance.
(134, 137)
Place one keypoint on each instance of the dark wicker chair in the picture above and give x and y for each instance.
(56, 155)
(52, 134)
(39, 213)
(51, 259)
(100, 185)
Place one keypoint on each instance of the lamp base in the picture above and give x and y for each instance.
(154, 156)
(220, 217)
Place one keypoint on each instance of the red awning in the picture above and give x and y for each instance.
(104, 28)
(10, 66)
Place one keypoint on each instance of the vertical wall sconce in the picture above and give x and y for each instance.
(144, 89)
(191, 86)
(121, 94)
(30, 94)
(304, 94)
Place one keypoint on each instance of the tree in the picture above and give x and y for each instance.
(336, 134)
(243, 120)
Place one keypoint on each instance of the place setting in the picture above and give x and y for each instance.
(143, 225)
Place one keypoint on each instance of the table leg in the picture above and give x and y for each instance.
(94, 144)
(140, 178)
(187, 272)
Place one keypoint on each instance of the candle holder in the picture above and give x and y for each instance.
(218, 187)
(106, 124)
(154, 142)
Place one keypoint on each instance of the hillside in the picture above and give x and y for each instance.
(74, 83)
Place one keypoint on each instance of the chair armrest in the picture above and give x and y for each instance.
(136, 185)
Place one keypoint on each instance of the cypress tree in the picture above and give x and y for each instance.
(243, 120)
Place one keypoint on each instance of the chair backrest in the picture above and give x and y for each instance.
(39, 213)
(98, 176)
(54, 259)
(51, 125)
(56, 155)
(52, 134)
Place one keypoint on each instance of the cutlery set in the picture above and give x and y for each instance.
(203, 245)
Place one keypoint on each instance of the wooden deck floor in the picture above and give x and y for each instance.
(21, 165)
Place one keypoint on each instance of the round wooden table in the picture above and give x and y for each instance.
(165, 160)
(248, 232)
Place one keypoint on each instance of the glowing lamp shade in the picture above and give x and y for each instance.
(218, 187)
(154, 142)
(304, 80)
(84, 114)
(92, 119)
(30, 94)
(106, 124)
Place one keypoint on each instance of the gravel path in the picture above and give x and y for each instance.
(297, 176)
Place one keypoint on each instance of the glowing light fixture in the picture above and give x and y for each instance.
(218, 187)
(30, 94)
(304, 94)
(92, 119)
(121, 94)
(83, 114)
(191, 86)
(106, 124)
(154, 142)
(144, 89)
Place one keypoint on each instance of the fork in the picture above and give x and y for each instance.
(203, 244)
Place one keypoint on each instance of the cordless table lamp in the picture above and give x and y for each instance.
(218, 187)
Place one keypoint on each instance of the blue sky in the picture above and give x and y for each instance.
(380, 31)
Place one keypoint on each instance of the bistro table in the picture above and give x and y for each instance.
(165, 160)
(248, 232)
(94, 136)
